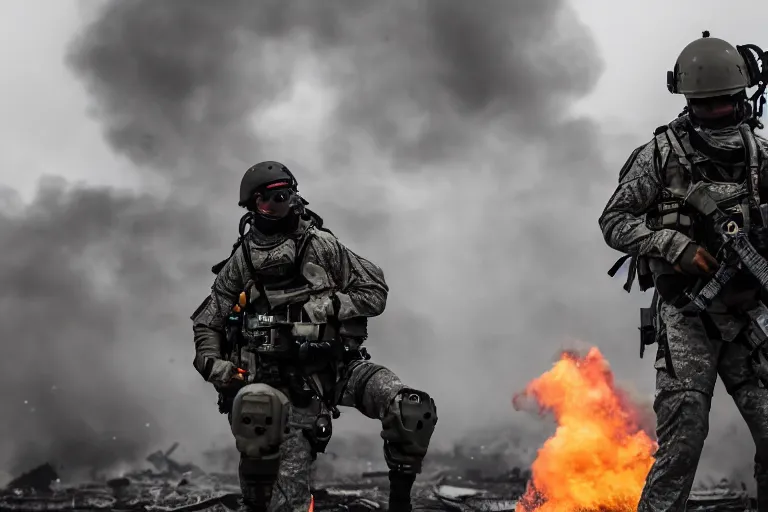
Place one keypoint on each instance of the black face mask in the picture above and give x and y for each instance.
(721, 112)
(271, 226)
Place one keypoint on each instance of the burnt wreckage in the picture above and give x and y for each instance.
(452, 482)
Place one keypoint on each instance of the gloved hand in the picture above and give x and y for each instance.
(696, 261)
(224, 374)
(354, 328)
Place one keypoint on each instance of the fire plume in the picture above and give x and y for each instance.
(598, 458)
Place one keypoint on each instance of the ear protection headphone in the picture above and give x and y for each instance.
(752, 54)
(672, 79)
(755, 57)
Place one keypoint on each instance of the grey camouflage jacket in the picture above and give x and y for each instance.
(330, 269)
(623, 221)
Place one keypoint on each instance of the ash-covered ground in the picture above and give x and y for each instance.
(467, 478)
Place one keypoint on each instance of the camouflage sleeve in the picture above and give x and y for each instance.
(208, 319)
(762, 146)
(623, 220)
(362, 290)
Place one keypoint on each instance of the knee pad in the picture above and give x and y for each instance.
(407, 429)
(259, 420)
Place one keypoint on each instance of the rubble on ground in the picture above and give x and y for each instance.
(464, 486)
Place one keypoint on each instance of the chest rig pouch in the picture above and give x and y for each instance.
(283, 346)
(728, 185)
(274, 323)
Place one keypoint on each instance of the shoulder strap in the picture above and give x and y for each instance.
(677, 148)
(660, 163)
(247, 256)
(244, 221)
(252, 270)
(753, 162)
(303, 245)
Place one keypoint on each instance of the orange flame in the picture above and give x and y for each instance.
(598, 458)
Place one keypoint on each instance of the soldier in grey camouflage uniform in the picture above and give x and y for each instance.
(672, 249)
(281, 387)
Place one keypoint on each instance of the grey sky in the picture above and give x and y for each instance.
(485, 220)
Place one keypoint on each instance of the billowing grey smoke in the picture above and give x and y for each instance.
(83, 272)
(177, 82)
(446, 155)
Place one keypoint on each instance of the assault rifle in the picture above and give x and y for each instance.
(737, 254)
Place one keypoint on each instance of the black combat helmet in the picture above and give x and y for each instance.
(263, 174)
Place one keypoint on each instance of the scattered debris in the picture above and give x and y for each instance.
(176, 487)
(721, 500)
(38, 480)
(118, 483)
(163, 463)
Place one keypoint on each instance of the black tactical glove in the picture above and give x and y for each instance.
(354, 328)
(696, 261)
(224, 374)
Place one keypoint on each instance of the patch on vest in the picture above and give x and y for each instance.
(276, 264)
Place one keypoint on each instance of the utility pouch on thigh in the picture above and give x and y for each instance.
(648, 327)
(319, 433)
(644, 274)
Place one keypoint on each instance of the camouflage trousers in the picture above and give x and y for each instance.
(368, 387)
(683, 399)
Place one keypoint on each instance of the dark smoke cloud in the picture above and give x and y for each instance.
(467, 181)
(83, 270)
(177, 79)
